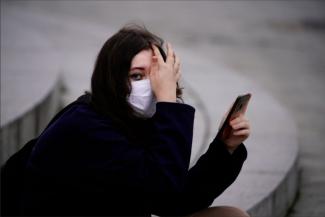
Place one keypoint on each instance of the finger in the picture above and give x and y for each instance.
(170, 54)
(157, 54)
(240, 125)
(245, 132)
(238, 119)
(178, 75)
(177, 64)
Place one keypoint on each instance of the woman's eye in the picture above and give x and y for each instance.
(136, 76)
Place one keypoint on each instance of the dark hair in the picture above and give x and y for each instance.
(110, 85)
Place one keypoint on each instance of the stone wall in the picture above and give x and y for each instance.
(30, 124)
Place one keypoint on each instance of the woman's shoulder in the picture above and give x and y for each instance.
(82, 115)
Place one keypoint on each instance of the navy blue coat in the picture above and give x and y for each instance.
(84, 165)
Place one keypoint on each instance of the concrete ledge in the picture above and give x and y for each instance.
(30, 124)
(277, 202)
(30, 81)
(268, 183)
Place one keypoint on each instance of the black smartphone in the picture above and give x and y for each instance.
(239, 107)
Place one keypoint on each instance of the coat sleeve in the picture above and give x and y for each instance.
(216, 170)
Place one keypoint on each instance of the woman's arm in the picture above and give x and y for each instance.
(215, 171)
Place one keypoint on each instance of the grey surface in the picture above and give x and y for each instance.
(30, 81)
(278, 56)
(29, 65)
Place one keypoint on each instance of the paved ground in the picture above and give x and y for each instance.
(279, 45)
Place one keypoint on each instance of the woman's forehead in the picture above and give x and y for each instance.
(142, 59)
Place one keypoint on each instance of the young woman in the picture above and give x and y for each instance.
(124, 148)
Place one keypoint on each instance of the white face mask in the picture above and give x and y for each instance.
(142, 98)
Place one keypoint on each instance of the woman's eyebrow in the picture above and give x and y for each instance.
(138, 67)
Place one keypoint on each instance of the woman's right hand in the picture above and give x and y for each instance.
(164, 75)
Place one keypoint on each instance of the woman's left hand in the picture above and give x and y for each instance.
(164, 75)
(238, 133)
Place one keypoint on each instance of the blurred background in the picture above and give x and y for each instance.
(275, 48)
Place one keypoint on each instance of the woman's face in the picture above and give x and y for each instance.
(140, 65)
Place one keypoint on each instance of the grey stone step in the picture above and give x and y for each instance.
(30, 81)
(268, 182)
